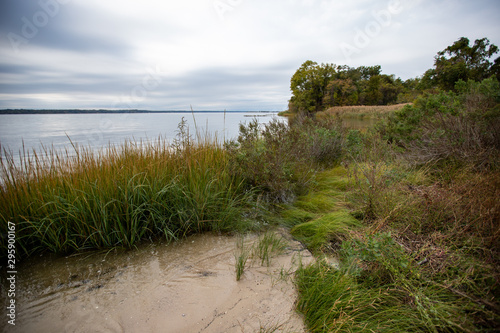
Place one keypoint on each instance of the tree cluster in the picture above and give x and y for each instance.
(461, 61)
(316, 87)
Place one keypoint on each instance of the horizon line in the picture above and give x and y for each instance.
(76, 110)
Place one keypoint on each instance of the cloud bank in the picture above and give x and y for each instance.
(213, 54)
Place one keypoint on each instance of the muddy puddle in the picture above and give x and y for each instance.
(186, 286)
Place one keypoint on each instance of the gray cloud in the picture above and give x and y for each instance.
(217, 89)
(100, 54)
(53, 25)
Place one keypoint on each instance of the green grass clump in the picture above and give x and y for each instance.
(320, 215)
(317, 233)
(334, 180)
(378, 288)
(325, 196)
(268, 245)
(294, 216)
(335, 301)
(317, 202)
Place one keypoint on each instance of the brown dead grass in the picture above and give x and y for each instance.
(366, 110)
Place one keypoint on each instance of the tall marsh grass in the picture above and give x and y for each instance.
(82, 199)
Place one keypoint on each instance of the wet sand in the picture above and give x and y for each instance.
(187, 286)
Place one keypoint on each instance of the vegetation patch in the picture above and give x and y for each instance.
(362, 111)
(85, 200)
(382, 297)
(241, 256)
(317, 234)
(422, 251)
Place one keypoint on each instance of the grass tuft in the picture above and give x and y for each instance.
(316, 234)
(241, 256)
(269, 245)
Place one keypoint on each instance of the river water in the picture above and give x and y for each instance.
(100, 130)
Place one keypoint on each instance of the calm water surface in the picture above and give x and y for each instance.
(100, 130)
(186, 286)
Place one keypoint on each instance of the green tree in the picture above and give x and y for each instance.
(368, 71)
(390, 89)
(410, 90)
(340, 92)
(461, 61)
(308, 86)
(371, 94)
(427, 81)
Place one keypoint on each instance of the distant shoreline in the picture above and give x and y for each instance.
(104, 111)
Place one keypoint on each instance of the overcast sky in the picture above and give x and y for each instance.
(214, 54)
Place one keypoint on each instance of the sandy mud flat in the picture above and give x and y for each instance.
(186, 286)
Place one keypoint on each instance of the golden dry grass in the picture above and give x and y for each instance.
(362, 110)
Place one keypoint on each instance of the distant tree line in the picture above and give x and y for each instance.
(65, 111)
(316, 87)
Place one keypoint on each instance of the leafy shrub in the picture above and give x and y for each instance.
(280, 159)
(462, 127)
(323, 138)
(353, 143)
(269, 159)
